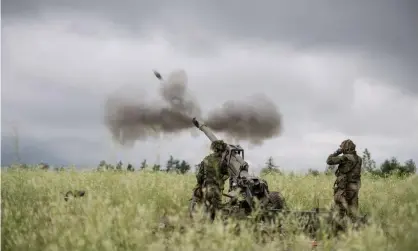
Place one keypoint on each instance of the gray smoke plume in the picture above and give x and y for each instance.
(254, 119)
(130, 119)
(174, 91)
(131, 122)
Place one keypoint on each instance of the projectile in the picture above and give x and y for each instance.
(158, 75)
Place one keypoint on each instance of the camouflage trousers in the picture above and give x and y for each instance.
(346, 201)
(211, 196)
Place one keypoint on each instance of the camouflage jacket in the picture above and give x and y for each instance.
(212, 171)
(349, 169)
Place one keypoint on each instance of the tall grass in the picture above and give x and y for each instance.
(121, 211)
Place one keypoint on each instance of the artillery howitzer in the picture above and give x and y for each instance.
(245, 191)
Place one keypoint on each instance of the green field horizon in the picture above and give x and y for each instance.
(121, 210)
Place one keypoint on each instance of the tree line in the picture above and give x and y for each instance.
(172, 166)
(390, 166)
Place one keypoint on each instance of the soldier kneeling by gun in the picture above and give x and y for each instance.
(211, 176)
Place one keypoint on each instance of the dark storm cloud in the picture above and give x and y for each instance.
(385, 31)
(125, 12)
(304, 57)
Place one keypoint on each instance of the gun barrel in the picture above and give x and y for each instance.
(237, 165)
(205, 130)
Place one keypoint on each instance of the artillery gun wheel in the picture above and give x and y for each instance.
(276, 200)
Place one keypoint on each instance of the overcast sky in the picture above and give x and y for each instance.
(335, 69)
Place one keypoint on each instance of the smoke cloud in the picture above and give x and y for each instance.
(174, 91)
(254, 119)
(134, 118)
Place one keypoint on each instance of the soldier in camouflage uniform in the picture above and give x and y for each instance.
(348, 182)
(211, 176)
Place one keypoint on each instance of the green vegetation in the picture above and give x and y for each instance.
(121, 209)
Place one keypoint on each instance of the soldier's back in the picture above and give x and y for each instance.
(351, 167)
(211, 160)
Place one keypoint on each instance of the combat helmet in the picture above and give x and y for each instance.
(218, 146)
(348, 146)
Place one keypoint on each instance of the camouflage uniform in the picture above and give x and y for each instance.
(211, 177)
(348, 182)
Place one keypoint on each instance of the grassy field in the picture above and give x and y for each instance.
(121, 210)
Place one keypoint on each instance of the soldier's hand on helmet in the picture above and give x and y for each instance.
(338, 151)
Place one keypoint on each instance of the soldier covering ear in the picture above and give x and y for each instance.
(348, 178)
